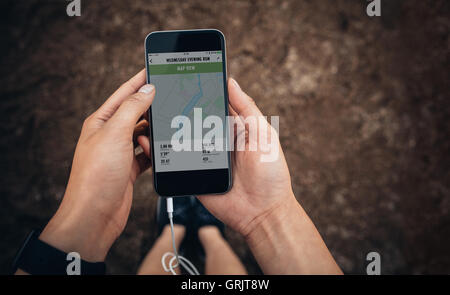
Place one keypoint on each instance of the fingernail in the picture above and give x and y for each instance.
(148, 88)
(236, 83)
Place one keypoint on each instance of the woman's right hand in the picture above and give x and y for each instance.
(259, 188)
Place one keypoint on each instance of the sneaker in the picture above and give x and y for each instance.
(203, 217)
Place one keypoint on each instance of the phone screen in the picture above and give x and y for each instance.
(188, 117)
(188, 84)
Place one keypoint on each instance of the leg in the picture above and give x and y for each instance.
(220, 258)
(152, 261)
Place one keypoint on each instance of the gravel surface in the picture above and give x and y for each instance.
(363, 106)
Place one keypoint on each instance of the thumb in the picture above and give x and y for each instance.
(132, 108)
(243, 104)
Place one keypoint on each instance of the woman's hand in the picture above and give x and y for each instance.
(99, 193)
(261, 204)
(260, 187)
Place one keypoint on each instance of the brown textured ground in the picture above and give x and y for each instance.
(363, 104)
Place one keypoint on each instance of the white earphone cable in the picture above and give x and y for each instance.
(175, 260)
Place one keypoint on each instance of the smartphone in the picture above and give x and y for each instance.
(188, 69)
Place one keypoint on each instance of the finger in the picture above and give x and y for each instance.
(132, 109)
(141, 128)
(238, 120)
(243, 104)
(237, 127)
(232, 111)
(110, 106)
(140, 164)
(144, 142)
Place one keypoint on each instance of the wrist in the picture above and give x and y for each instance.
(273, 239)
(79, 230)
(285, 241)
(273, 219)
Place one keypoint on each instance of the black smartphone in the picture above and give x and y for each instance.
(188, 69)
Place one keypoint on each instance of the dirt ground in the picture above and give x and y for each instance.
(363, 106)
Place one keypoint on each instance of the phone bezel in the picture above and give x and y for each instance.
(192, 182)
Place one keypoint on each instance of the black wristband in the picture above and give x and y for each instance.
(39, 258)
